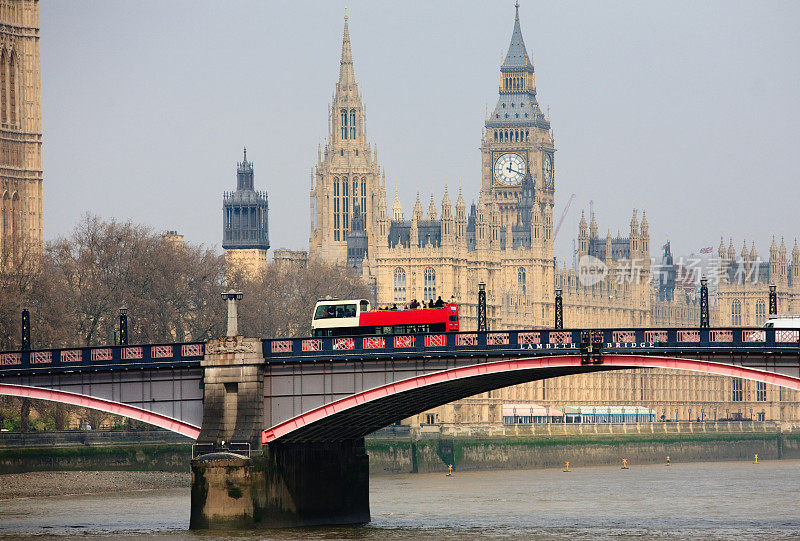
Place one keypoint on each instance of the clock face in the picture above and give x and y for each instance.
(509, 169)
(548, 169)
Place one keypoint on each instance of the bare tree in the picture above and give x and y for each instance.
(280, 301)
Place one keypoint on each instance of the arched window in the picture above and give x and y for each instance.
(430, 284)
(5, 232)
(345, 207)
(12, 90)
(344, 123)
(3, 82)
(352, 123)
(760, 313)
(399, 285)
(364, 196)
(521, 281)
(736, 313)
(336, 209)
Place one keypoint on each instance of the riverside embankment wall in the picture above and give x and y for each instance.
(423, 453)
(582, 446)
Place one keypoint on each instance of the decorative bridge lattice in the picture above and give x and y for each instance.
(187, 354)
(732, 341)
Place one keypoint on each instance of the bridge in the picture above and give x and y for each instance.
(307, 403)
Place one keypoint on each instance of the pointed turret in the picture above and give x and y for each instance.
(583, 236)
(753, 252)
(633, 240)
(416, 213)
(397, 208)
(447, 205)
(461, 217)
(795, 265)
(721, 251)
(731, 251)
(782, 270)
(431, 209)
(592, 227)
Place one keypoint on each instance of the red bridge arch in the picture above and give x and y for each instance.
(362, 413)
(101, 404)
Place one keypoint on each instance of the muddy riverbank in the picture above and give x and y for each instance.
(64, 483)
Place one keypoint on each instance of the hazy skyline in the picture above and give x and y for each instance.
(686, 110)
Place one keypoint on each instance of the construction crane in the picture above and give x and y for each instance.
(563, 215)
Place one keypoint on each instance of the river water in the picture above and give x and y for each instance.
(721, 500)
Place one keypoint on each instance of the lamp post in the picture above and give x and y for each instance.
(233, 297)
(26, 329)
(704, 303)
(482, 324)
(559, 310)
(773, 300)
(123, 326)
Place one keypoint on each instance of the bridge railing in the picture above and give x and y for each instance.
(101, 357)
(618, 340)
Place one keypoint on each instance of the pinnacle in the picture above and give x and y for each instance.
(346, 76)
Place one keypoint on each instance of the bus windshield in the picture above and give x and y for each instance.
(327, 311)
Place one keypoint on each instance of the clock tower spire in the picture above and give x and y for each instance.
(517, 138)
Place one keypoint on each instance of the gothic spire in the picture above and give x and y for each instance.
(346, 77)
(517, 56)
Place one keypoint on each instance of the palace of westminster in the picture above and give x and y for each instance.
(504, 240)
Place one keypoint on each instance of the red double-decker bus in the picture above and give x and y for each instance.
(353, 317)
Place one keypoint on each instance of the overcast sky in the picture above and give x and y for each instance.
(689, 110)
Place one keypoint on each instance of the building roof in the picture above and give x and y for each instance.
(517, 56)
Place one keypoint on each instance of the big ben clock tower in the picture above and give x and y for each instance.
(517, 139)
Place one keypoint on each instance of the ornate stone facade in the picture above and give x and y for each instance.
(20, 130)
(347, 171)
(506, 240)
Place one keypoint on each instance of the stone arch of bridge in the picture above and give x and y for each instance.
(360, 414)
(101, 404)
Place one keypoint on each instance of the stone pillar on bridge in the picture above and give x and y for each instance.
(233, 394)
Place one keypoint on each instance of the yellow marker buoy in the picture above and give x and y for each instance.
(667, 461)
(625, 464)
(449, 470)
(566, 467)
(755, 458)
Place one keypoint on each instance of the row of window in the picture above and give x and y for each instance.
(736, 313)
(429, 284)
(514, 83)
(738, 390)
(343, 199)
(352, 128)
(511, 136)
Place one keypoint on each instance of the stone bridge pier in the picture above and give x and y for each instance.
(237, 483)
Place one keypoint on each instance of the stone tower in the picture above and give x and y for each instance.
(245, 229)
(347, 172)
(20, 130)
(517, 138)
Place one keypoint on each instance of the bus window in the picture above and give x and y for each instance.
(364, 306)
(345, 310)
